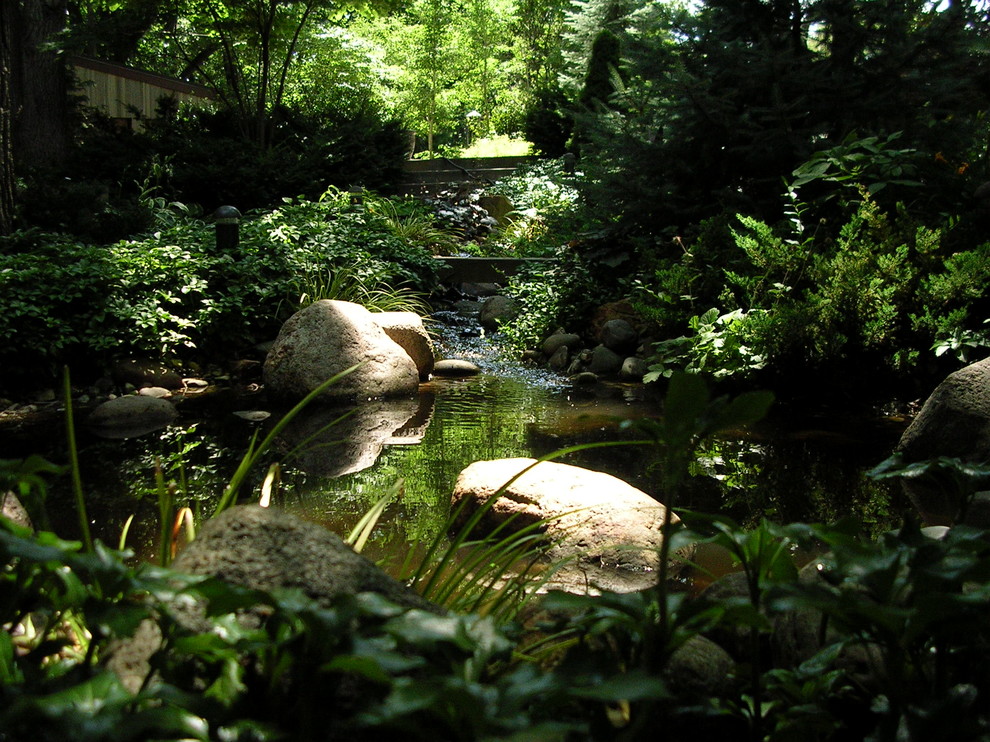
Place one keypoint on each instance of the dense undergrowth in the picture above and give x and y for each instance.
(173, 294)
(876, 640)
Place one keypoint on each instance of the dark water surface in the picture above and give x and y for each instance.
(791, 467)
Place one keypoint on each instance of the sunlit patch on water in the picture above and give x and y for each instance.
(778, 470)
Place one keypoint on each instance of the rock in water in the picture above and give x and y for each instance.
(407, 329)
(591, 518)
(131, 416)
(328, 337)
(954, 422)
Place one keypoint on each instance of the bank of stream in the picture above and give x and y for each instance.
(791, 467)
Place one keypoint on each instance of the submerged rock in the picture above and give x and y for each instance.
(131, 416)
(455, 367)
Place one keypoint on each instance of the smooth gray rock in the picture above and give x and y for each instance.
(633, 369)
(498, 309)
(141, 372)
(558, 339)
(455, 367)
(954, 422)
(558, 361)
(619, 335)
(264, 549)
(605, 362)
(588, 517)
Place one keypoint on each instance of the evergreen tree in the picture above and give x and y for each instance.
(721, 105)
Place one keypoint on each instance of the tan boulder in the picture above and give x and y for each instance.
(591, 519)
(328, 337)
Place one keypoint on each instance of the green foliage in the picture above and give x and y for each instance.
(546, 211)
(718, 346)
(548, 297)
(877, 293)
(172, 291)
(721, 101)
(895, 643)
(868, 160)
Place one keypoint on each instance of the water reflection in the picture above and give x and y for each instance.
(333, 441)
(789, 468)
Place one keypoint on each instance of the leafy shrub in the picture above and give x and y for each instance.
(718, 347)
(549, 297)
(875, 295)
(545, 214)
(170, 292)
(896, 639)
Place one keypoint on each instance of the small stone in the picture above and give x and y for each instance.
(254, 416)
(585, 378)
(131, 416)
(45, 396)
(633, 369)
(558, 361)
(156, 392)
(455, 367)
(143, 372)
(195, 383)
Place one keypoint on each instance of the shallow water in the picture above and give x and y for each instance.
(786, 468)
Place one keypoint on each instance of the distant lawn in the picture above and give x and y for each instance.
(499, 146)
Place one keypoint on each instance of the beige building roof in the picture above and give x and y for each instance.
(119, 91)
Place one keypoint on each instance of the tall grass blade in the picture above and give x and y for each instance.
(77, 488)
(122, 541)
(255, 452)
(183, 518)
(361, 532)
(272, 479)
(166, 510)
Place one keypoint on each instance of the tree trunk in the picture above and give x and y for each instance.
(39, 83)
(6, 154)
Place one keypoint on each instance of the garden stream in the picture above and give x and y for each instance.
(790, 467)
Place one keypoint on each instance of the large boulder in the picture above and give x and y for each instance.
(328, 337)
(408, 331)
(263, 549)
(954, 422)
(599, 524)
